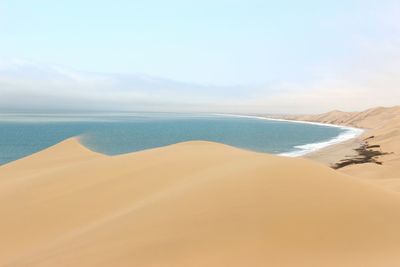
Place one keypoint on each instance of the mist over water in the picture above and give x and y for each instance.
(113, 134)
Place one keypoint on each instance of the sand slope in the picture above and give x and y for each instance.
(191, 204)
(382, 123)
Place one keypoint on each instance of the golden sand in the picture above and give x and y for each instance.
(197, 204)
(384, 125)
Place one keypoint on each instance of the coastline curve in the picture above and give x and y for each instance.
(301, 150)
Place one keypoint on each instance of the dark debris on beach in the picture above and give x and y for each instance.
(365, 154)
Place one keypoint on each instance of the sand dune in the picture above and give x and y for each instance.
(381, 123)
(191, 204)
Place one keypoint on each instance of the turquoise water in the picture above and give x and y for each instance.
(112, 134)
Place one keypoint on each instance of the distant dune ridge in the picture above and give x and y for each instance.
(203, 204)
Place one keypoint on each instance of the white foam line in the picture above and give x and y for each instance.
(301, 150)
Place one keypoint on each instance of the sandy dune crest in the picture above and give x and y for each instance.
(191, 204)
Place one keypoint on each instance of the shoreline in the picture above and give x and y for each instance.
(349, 133)
(374, 154)
(333, 154)
(308, 150)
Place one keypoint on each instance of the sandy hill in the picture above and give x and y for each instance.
(191, 204)
(370, 119)
(332, 117)
(383, 123)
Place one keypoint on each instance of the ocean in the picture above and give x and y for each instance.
(112, 134)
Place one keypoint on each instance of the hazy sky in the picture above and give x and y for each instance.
(261, 56)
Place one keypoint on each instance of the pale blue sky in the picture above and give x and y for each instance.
(197, 41)
(249, 43)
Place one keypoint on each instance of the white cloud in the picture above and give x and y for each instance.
(26, 85)
(29, 86)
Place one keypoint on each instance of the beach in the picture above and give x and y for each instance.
(381, 132)
(334, 153)
(202, 203)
